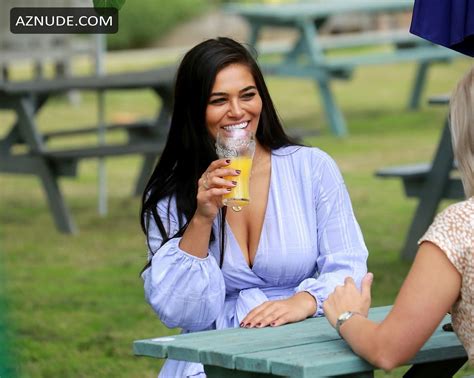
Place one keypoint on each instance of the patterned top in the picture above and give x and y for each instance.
(453, 232)
(310, 241)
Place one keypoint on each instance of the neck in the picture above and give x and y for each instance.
(261, 157)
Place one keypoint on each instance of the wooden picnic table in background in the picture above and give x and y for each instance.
(311, 348)
(27, 98)
(430, 183)
(308, 56)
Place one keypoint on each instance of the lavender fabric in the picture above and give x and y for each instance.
(310, 241)
(448, 23)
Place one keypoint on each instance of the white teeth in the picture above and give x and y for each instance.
(238, 126)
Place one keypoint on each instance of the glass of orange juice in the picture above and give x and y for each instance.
(238, 145)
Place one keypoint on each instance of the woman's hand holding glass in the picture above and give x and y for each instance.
(212, 186)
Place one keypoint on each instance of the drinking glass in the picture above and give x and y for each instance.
(238, 145)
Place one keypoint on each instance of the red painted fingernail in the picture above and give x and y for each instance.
(258, 325)
(234, 182)
(247, 325)
(242, 324)
(228, 161)
(272, 324)
(229, 189)
(237, 171)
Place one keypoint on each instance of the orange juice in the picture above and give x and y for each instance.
(240, 194)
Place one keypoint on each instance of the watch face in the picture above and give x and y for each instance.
(345, 315)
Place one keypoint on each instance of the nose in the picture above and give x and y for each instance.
(235, 110)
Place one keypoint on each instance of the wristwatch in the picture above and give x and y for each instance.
(344, 317)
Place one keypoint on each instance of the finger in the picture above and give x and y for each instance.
(268, 319)
(255, 312)
(264, 317)
(283, 319)
(218, 164)
(220, 182)
(349, 281)
(213, 193)
(366, 285)
(224, 172)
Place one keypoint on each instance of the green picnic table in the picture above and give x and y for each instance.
(311, 348)
(24, 148)
(310, 54)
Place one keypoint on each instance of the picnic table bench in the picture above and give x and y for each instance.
(430, 183)
(311, 348)
(27, 98)
(310, 54)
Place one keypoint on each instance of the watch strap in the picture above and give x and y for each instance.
(344, 317)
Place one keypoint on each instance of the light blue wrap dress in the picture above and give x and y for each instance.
(310, 241)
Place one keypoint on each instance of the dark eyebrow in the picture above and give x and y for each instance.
(218, 94)
(248, 88)
(241, 91)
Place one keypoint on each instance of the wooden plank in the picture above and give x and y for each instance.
(277, 13)
(288, 350)
(161, 77)
(220, 347)
(345, 40)
(408, 171)
(419, 54)
(335, 357)
(369, 38)
(144, 124)
(106, 150)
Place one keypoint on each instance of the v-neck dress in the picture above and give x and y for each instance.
(310, 241)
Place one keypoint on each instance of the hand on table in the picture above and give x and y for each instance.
(348, 298)
(276, 313)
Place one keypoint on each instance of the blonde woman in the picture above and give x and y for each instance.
(440, 280)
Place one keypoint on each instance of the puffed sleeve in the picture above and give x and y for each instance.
(185, 291)
(453, 233)
(341, 248)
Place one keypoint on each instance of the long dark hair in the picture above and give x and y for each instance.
(189, 148)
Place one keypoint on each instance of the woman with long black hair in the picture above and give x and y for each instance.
(274, 261)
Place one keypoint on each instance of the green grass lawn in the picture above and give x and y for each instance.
(76, 302)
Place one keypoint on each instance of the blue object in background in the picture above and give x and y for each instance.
(449, 23)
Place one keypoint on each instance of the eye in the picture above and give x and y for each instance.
(217, 101)
(249, 95)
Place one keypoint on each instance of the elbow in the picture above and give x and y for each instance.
(178, 314)
(386, 361)
(385, 364)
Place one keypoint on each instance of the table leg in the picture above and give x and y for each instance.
(160, 134)
(418, 86)
(254, 32)
(145, 172)
(364, 374)
(220, 372)
(25, 109)
(334, 116)
(62, 218)
(431, 195)
(437, 369)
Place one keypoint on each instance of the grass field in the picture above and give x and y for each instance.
(76, 302)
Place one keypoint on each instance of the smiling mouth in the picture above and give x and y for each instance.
(237, 126)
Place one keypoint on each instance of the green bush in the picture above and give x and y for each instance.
(143, 22)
